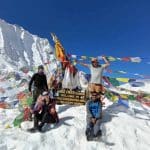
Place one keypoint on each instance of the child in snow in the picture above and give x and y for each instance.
(44, 111)
(93, 116)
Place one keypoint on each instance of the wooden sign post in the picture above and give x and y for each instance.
(71, 97)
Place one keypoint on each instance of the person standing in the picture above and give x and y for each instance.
(96, 70)
(39, 82)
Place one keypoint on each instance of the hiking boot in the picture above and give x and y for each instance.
(99, 133)
(89, 134)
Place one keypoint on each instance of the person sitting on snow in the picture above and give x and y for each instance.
(44, 111)
(93, 116)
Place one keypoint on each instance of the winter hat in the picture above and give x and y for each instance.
(40, 67)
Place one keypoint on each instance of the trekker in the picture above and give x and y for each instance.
(40, 84)
(44, 112)
(93, 117)
(96, 70)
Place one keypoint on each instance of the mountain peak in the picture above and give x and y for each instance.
(20, 48)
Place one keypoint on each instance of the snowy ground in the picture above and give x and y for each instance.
(123, 129)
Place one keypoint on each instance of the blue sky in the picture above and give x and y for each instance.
(89, 27)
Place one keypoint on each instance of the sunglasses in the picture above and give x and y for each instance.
(94, 62)
(93, 95)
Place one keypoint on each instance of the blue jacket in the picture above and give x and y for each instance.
(94, 109)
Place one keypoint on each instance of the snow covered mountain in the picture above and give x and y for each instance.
(122, 128)
(20, 48)
(139, 85)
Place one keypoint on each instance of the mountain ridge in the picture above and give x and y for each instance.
(18, 47)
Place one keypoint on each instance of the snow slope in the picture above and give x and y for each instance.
(145, 87)
(20, 48)
(122, 129)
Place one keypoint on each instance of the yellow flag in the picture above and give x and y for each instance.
(114, 98)
(7, 126)
(123, 79)
(59, 50)
(60, 55)
(83, 57)
(124, 96)
(110, 58)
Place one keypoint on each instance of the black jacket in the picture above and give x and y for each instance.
(40, 81)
